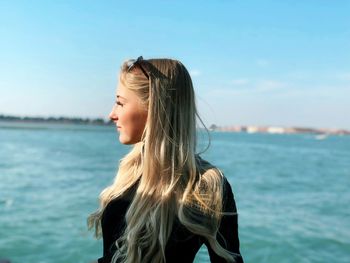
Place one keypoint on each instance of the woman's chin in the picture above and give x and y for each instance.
(124, 140)
(129, 139)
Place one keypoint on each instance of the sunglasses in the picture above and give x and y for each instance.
(138, 62)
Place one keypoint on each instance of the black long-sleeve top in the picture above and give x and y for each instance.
(182, 245)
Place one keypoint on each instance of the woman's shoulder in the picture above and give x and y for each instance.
(209, 172)
(203, 164)
(213, 179)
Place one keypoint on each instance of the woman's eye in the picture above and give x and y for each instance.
(119, 103)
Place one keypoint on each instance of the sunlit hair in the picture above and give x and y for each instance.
(172, 181)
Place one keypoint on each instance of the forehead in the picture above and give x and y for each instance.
(124, 93)
(121, 89)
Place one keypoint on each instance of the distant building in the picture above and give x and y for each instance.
(252, 129)
(278, 130)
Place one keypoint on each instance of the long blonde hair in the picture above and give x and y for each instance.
(172, 181)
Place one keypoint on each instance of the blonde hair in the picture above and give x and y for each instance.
(172, 181)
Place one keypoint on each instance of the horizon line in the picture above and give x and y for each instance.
(101, 120)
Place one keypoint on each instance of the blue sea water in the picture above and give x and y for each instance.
(292, 192)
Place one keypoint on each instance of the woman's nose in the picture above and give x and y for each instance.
(113, 114)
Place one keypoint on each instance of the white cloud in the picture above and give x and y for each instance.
(269, 85)
(195, 73)
(240, 82)
(260, 85)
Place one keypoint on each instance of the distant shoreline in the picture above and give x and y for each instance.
(213, 127)
(58, 120)
(279, 130)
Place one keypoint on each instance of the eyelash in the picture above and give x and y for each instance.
(119, 103)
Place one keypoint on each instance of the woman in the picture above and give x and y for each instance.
(165, 201)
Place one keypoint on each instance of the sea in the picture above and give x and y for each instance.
(292, 192)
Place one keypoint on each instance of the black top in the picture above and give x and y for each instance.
(182, 245)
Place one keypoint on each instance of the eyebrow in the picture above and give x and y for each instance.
(121, 97)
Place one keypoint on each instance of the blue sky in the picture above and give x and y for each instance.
(283, 63)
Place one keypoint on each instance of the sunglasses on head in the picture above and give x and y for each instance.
(138, 62)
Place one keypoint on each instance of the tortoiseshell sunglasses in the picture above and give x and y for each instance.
(132, 63)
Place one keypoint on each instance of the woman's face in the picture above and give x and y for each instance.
(129, 115)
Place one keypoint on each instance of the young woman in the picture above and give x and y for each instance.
(165, 201)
